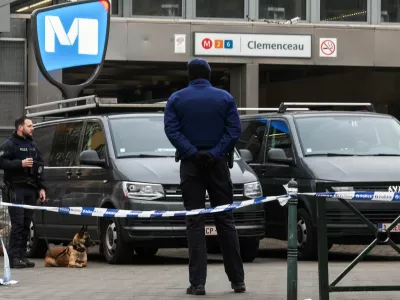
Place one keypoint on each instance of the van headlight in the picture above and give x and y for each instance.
(252, 190)
(142, 191)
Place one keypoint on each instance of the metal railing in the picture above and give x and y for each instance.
(381, 238)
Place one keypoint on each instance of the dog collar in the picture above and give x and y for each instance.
(79, 249)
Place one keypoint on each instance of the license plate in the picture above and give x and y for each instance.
(210, 230)
(384, 226)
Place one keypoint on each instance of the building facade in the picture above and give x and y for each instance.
(342, 51)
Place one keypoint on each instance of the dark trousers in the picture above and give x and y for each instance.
(20, 220)
(194, 183)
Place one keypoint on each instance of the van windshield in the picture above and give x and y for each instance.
(140, 136)
(349, 135)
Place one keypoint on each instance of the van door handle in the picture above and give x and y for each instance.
(69, 173)
(79, 173)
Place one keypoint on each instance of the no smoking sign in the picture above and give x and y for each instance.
(327, 47)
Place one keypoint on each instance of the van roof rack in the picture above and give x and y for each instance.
(284, 106)
(273, 109)
(87, 105)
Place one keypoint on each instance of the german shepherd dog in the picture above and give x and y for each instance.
(74, 255)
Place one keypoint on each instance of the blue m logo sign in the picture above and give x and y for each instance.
(70, 36)
(86, 30)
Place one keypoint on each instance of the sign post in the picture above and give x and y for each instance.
(68, 35)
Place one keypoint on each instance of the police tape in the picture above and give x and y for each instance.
(359, 195)
(283, 199)
(122, 213)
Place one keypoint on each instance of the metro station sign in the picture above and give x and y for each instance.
(253, 45)
(68, 35)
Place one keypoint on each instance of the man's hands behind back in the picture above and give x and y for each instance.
(204, 159)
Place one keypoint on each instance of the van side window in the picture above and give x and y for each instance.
(65, 144)
(94, 139)
(279, 137)
(253, 132)
(43, 137)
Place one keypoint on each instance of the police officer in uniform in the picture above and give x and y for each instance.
(202, 123)
(23, 184)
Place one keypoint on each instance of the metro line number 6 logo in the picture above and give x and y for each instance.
(219, 44)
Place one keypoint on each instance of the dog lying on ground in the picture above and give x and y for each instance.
(74, 255)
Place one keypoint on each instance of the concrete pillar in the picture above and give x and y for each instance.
(244, 85)
(251, 98)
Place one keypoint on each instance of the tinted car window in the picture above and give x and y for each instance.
(43, 136)
(65, 144)
(279, 137)
(94, 139)
(140, 136)
(253, 132)
(349, 135)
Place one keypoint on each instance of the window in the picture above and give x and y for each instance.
(114, 7)
(65, 144)
(390, 11)
(94, 139)
(43, 137)
(344, 11)
(279, 138)
(145, 136)
(282, 9)
(253, 132)
(168, 8)
(233, 9)
(349, 135)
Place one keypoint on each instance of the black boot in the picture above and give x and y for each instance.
(196, 290)
(239, 287)
(17, 263)
(29, 264)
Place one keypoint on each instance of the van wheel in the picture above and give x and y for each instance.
(146, 252)
(115, 250)
(249, 249)
(35, 247)
(306, 236)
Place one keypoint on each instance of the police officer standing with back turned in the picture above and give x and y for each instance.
(202, 123)
(23, 180)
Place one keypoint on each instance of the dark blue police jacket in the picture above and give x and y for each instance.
(202, 117)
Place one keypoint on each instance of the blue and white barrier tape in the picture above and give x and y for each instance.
(364, 196)
(121, 213)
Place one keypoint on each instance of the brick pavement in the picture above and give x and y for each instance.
(165, 277)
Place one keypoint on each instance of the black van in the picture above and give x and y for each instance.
(117, 156)
(314, 146)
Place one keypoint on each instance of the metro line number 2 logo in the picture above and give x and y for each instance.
(218, 44)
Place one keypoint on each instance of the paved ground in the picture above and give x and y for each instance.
(165, 277)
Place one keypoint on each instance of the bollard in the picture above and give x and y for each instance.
(292, 242)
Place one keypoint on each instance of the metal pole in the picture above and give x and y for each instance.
(292, 242)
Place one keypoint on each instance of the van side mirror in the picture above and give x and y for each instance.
(91, 158)
(277, 155)
(246, 155)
